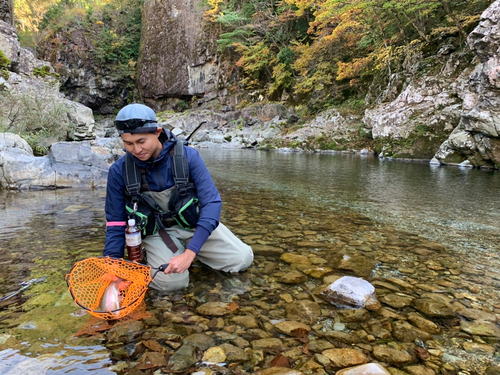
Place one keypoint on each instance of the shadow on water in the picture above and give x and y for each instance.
(432, 228)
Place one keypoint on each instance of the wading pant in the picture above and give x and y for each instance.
(222, 251)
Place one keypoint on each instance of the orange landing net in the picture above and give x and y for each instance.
(89, 278)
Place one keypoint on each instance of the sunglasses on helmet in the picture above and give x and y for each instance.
(132, 124)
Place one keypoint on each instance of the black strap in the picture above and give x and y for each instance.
(180, 168)
(132, 178)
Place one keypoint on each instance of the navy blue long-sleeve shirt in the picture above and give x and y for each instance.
(159, 177)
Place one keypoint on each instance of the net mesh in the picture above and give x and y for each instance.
(88, 279)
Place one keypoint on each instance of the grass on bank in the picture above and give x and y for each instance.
(39, 121)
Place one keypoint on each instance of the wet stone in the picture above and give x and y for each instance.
(343, 337)
(289, 326)
(125, 331)
(267, 250)
(419, 370)
(317, 272)
(405, 332)
(351, 292)
(247, 321)
(403, 284)
(474, 347)
(312, 367)
(480, 328)
(286, 234)
(433, 308)
(269, 343)
(292, 258)
(200, 340)
(386, 285)
(215, 354)
(330, 279)
(318, 346)
(359, 265)
(397, 301)
(214, 309)
(476, 314)
(422, 323)
(184, 358)
(492, 370)
(392, 356)
(151, 360)
(304, 311)
(280, 371)
(293, 277)
(311, 244)
(353, 315)
(345, 357)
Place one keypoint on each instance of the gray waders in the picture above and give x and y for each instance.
(222, 251)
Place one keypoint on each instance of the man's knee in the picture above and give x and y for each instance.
(246, 259)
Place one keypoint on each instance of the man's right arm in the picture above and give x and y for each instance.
(116, 215)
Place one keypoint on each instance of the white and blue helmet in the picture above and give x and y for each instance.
(136, 118)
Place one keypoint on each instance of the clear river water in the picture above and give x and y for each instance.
(43, 233)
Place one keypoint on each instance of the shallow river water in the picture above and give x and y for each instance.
(409, 228)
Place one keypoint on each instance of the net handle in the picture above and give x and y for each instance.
(162, 268)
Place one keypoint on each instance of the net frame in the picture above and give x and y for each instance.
(88, 279)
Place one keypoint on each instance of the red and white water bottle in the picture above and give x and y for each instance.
(133, 240)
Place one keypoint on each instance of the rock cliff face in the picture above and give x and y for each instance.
(24, 79)
(82, 78)
(7, 11)
(177, 56)
(476, 139)
(426, 111)
(453, 114)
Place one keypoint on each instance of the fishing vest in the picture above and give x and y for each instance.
(183, 206)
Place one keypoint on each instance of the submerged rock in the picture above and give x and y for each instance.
(367, 369)
(352, 292)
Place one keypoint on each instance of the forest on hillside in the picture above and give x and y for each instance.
(323, 52)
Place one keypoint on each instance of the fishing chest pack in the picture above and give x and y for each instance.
(183, 205)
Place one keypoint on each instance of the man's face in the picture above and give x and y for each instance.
(143, 146)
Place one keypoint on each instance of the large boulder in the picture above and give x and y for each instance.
(351, 292)
(69, 164)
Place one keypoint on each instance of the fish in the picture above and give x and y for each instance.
(112, 298)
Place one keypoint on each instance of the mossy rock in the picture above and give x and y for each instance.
(4, 61)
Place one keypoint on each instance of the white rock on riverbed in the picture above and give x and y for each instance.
(352, 292)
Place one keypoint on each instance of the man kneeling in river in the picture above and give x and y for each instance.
(150, 150)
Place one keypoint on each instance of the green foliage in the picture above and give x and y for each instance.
(44, 71)
(113, 27)
(324, 51)
(39, 119)
(4, 61)
(117, 40)
(4, 65)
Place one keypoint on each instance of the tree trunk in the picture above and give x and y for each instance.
(446, 7)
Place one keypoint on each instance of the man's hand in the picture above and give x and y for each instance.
(180, 263)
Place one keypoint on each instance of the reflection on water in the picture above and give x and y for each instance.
(460, 206)
(67, 360)
(396, 214)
